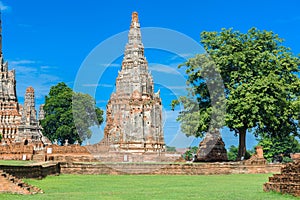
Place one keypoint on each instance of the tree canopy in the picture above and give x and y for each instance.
(276, 149)
(260, 80)
(69, 115)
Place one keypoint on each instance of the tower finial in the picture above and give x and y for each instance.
(134, 20)
(135, 17)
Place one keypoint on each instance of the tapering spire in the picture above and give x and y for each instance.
(0, 33)
(3, 65)
(134, 50)
(134, 113)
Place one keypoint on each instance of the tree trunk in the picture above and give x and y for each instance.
(242, 144)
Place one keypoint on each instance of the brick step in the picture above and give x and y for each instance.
(11, 184)
(285, 178)
(287, 182)
(291, 168)
(289, 188)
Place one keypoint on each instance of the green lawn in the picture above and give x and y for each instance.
(16, 162)
(243, 187)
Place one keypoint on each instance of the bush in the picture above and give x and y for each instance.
(170, 149)
(233, 152)
(278, 149)
(189, 154)
(286, 159)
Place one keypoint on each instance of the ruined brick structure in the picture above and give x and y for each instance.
(10, 118)
(30, 128)
(17, 123)
(288, 182)
(41, 112)
(212, 148)
(11, 184)
(134, 111)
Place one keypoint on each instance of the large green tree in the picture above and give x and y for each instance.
(69, 115)
(260, 79)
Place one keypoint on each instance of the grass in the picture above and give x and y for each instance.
(237, 186)
(16, 162)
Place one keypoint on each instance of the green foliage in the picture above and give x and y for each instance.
(69, 115)
(170, 149)
(286, 159)
(16, 162)
(261, 85)
(232, 153)
(279, 148)
(189, 154)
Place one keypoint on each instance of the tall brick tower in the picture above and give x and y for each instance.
(134, 111)
(10, 118)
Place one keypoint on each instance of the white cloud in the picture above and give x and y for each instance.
(29, 73)
(183, 55)
(177, 87)
(110, 65)
(101, 101)
(14, 63)
(24, 69)
(98, 85)
(163, 69)
(44, 67)
(4, 7)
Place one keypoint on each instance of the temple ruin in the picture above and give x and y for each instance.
(17, 123)
(134, 111)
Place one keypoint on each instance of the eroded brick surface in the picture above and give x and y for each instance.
(288, 182)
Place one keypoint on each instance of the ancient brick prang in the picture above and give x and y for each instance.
(134, 111)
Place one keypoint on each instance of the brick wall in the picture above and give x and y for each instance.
(168, 169)
(16, 152)
(36, 171)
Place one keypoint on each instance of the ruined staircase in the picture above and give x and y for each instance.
(288, 182)
(11, 184)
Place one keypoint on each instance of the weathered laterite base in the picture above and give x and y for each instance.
(11, 184)
(288, 182)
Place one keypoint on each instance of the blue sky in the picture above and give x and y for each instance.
(47, 41)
